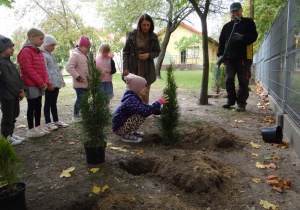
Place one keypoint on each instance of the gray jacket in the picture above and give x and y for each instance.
(11, 83)
(130, 55)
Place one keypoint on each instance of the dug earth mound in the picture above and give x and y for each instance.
(185, 166)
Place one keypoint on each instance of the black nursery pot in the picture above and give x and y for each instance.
(95, 155)
(15, 201)
(272, 134)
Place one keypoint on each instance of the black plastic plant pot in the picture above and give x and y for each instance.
(95, 155)
(15, 201)
(272, 134)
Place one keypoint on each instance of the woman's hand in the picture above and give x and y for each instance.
(165, 98)
(144, 56)
(126, 72)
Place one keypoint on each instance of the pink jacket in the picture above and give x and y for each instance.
(77, 65)
(103, 64)
(32, 66)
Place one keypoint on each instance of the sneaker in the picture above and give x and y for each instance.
(50, 127)
(61, 124)
(133, 139)
(76, 119)
(136, 133)
(33, 132)
(18, 137)
(42, 130)
(13, 141)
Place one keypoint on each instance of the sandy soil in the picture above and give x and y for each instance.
(212, 168)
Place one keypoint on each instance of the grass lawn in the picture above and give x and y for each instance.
(189, 80)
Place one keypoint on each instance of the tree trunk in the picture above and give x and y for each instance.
(203, 100)
(163, 49)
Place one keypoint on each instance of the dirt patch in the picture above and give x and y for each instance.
(212, 168)
(208, 137)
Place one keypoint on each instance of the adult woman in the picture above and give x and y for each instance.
(140, 49)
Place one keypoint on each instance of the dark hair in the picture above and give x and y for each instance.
(148, 18)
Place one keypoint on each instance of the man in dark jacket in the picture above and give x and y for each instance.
(238, 57)
(11, 91)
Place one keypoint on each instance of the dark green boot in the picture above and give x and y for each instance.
(240, 108)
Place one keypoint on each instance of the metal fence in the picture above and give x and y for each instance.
(278, 60)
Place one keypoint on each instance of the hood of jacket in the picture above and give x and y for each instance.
(128, 94)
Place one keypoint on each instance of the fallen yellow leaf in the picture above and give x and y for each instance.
(109, 144)
(259, 165)
(268, 205)
(94, 170)
(254, 154)
(96, 189)
(256, 180)
(275, 157)
(254, 145)
(66, 173)
(141, 150)
(239, 121)
(119, 149)
(21, 126)
(104, 188)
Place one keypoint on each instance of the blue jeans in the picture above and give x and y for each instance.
(79, 93)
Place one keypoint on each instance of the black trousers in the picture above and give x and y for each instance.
(10, 111)
(50, 104)
(34, 111)
(240, 68)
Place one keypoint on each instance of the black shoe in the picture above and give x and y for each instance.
(227, 105)
(240, 108)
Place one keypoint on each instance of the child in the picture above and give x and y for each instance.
(11, 91)
(56, 82)
(107, 66)
(78, 68)
(35, 77)
(129, 116)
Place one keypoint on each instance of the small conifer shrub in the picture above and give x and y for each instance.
(170, 111)
(94, 108)
(10, 165)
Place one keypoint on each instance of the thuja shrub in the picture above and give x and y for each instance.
(10, 164)
(170, 111)
(94, 108)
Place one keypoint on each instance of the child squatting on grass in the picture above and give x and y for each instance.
(132, 112)
(11, 91)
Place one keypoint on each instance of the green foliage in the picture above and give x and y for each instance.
(170, 111)
(221, 82)
(10, 164)
(7, 3)
(186, 42)
(94, 108)
(265, 12)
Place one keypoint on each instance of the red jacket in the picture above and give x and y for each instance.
(32, 66)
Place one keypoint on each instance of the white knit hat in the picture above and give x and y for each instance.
(48, 40)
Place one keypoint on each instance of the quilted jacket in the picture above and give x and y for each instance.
(78, 66)
(32, 66)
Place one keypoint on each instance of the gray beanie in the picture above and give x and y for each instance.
(48, 40)
(5, 43)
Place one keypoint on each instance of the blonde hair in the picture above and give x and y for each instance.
(34, 32)
(104, 47)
